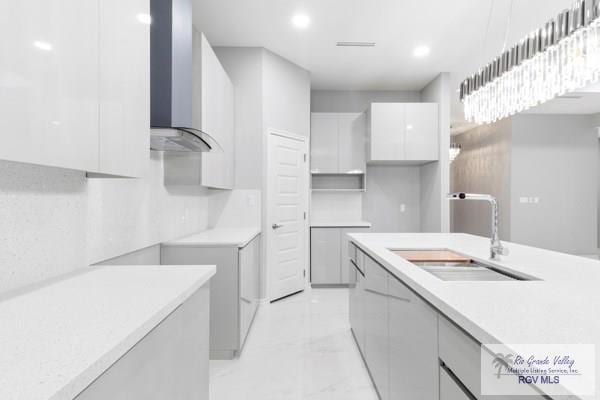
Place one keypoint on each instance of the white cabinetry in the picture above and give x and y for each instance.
(234, 290)
(73, 93)
(329, 255)
(403, 132)
(395, 330)
(413, 336)
(338, 142)
(170, 362)
(214, 113)
(377, 344)
(124, 88)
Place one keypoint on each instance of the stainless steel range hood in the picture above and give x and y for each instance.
(172, 81)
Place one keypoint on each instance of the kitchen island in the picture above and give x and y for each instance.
(556, 304)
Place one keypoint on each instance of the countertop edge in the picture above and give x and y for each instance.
(79, 383)
(206, 243)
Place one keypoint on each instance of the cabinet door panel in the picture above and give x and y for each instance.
(217, 114)
(351, 138)
(449, 390)
(376, 326)
(422, 134)
(248, 301)
(325, 256)
(387, 131)
(344, 254)
(124, 87)
(49, 82)
(324, 142)
(413, 336)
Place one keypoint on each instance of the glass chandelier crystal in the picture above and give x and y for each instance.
(561, 57)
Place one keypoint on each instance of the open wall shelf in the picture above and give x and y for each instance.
(323, 182)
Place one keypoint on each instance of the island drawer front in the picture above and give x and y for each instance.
(462, 356)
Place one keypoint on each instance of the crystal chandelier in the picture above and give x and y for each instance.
(561, 57)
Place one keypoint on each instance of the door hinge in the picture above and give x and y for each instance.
(304, 157)
(304, 273)
(305, 215)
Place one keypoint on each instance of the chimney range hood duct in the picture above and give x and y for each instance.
(172, 81)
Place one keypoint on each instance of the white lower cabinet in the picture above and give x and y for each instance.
(329, 255)
(395, 330)
(170, 362)
(234, 290)
(413, 345)
(449, 389)
(376, 326)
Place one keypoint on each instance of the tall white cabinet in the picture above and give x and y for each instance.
(73, 93)
(403, 132)
(214, 113)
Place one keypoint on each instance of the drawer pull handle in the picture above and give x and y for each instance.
(387, 295)
(358, 269)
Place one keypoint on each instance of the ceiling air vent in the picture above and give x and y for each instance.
(355, 44)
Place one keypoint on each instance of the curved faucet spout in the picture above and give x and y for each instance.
(496, 247)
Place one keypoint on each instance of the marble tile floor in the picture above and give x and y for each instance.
(298, 348)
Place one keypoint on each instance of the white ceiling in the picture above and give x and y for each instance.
(454, 30)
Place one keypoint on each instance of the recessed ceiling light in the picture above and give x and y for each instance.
(301, 21)
(43, 45)
(144, 18)
(421, 51)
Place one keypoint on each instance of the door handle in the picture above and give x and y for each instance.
(276, 226)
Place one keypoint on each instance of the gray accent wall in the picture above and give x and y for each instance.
(555, 158)
(483, 166)
(544, 171)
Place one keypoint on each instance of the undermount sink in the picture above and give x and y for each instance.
(448, 265)
(466, 271)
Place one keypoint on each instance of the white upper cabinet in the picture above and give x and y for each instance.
(421, 141)
(74, 85)
(324, 142)
(403, 132)
(338, 143)
(49, 82)
(352, 131)
(214, 113)
(124, 87)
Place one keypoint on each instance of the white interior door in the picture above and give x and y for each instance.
(287, 214)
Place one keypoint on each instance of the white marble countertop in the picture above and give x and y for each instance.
(340, 224)
(219, 237)
(562, 307)
(57, 338)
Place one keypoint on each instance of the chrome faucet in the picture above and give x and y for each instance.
(496, 247)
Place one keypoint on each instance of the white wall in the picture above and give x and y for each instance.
(286, 94)
(55, 221)
(435, 184)
(357, 101)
